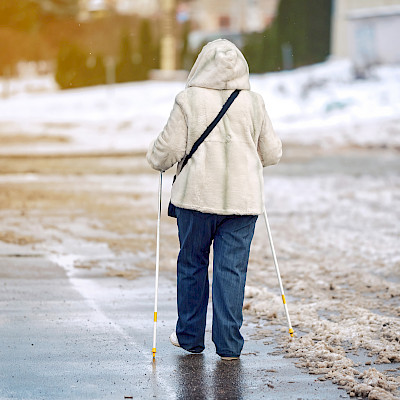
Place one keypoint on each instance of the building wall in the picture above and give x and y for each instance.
(340, 26)
(92, 8)
(234, 15)
(208, 15)
(145, 8)
(368, 37)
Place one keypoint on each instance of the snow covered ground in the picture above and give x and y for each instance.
(337, 240)
(333, 205)
(321, 105)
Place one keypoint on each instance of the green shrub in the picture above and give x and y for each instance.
(96, 71)
(75, 69)
(302, 27)
(71, 66)
(126, 70)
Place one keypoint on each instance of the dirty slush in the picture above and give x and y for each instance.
(335, 230)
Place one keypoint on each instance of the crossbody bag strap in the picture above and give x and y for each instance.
(210, 127)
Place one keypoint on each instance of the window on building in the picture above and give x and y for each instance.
(224, 21)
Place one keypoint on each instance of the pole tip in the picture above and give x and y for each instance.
(291, 332)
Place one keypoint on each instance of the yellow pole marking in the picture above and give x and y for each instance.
(155, 316)
(283, 298)
(154, 352)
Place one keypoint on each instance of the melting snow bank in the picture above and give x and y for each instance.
(326, 347)
(336, 238)
(324, 104)
(321, 105)
(322, 352)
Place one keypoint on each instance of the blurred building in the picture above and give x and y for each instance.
(59, 7)
(344, 28)
(229, 19)
(373, 36)
(93, 8)
(208, 16)
(232, 15)
(144, 8)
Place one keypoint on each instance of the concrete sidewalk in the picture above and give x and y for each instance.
(90, 337)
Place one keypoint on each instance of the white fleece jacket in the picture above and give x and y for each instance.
(225, 174)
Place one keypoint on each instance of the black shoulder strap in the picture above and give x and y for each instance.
(213, 124)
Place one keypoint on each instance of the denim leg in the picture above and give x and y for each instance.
(195, 231)
(231, 255)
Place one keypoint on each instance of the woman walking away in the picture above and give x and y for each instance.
(218, 192)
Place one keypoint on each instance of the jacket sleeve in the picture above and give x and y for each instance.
(269, 145)
(170, 145)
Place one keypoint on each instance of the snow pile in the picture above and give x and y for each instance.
(266, 303)
(105, 118)
(325, 105)
(324, 349)
(336, 238)
(319, 105)
(30, 84)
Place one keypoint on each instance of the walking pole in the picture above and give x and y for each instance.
(278, 273)
(157, 266)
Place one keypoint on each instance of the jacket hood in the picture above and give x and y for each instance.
(220, 65)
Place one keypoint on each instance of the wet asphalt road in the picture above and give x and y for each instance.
(88, 337)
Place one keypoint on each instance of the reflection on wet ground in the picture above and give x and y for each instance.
(192, 377)
(196, 382)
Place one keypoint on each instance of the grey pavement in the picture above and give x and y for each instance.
(90, 337)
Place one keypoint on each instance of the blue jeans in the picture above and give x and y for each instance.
(232, 236)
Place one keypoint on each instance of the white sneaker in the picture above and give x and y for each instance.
(174, 340)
